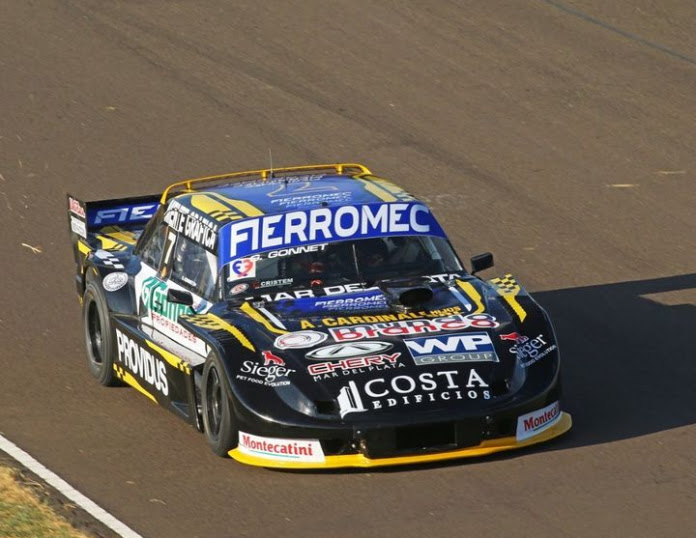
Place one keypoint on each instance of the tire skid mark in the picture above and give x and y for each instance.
(623, 33)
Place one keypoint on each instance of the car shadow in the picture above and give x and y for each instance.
(626, 369)
(624, 347)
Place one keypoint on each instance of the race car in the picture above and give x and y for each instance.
(312, 317)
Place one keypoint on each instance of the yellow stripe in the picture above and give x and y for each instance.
(240, 205)
(387, 185)
(128, 378)
(256, 316)
(232, 329)
(110, 244)
(471, 292)
(509, 294)
(83, 247)
(517, 307)
(360, 460)
(172, 359)
(208, 205)
(375, 189)
(119, 235)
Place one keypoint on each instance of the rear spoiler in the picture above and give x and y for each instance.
(108, 224)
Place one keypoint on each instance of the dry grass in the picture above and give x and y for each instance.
(23, 515)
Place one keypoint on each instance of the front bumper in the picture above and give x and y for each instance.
(486, 447)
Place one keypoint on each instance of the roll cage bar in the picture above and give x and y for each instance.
(187, 185)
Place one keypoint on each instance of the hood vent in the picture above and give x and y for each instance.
(405, 294)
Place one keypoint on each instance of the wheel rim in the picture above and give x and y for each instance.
(213, 396)
(94, 333)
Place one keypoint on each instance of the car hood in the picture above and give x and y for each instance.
(405, 343)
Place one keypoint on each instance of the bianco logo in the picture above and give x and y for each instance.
(142, 363)
(281, 449)
(536, 422)
(417, 326)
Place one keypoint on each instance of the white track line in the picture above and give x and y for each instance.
(66, 489)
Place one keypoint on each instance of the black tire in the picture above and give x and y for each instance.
(98, 335)
(218, 417)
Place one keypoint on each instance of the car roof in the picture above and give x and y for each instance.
(228, 202)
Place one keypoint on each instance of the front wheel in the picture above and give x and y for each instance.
(218, 419)
(98, 338)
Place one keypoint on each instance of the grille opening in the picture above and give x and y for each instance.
(335, 446)
(425, 437)
(326, 407)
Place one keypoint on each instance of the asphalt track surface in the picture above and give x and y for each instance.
(559, 135)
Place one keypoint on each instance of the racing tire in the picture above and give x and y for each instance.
(98, 335)
(218, 416)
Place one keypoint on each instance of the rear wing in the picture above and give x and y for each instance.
(108, 224)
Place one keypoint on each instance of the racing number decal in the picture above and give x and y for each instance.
(168, 247)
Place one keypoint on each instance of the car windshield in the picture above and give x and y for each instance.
(327, 264)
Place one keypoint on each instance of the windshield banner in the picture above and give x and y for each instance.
(255, 235)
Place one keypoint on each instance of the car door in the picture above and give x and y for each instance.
(164, 266)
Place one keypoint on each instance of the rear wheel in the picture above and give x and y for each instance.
(218, 420)
(98, 338)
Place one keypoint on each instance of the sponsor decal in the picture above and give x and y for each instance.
(273, 372)
(270, 358)
(173, 329)
(242, 268)
(299, 340)
(313, 200)
(154, 299)
(295, 250)
(245, 237)
(406, 390)
(419, 326)
(343, 351)
(295, 183)
(122, 214)
(536, 422)
(239, 288)
(528, 350)
(78, 226)
(301, 294)
(76, 207)
(307, 450)
(142, 362)
(385, 318)
(192, 225)
(354, 365)
(511, 336)
(336, 290)
(276, 282)
(355, 303)
(464, 347)
(115, 281)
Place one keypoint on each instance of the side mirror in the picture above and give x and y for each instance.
(179, 297)
(481, 262)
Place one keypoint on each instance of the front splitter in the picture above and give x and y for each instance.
(491, 446)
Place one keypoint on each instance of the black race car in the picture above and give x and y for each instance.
(313, 316)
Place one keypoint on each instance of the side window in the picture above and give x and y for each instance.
(194, 268)
(152, 250)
